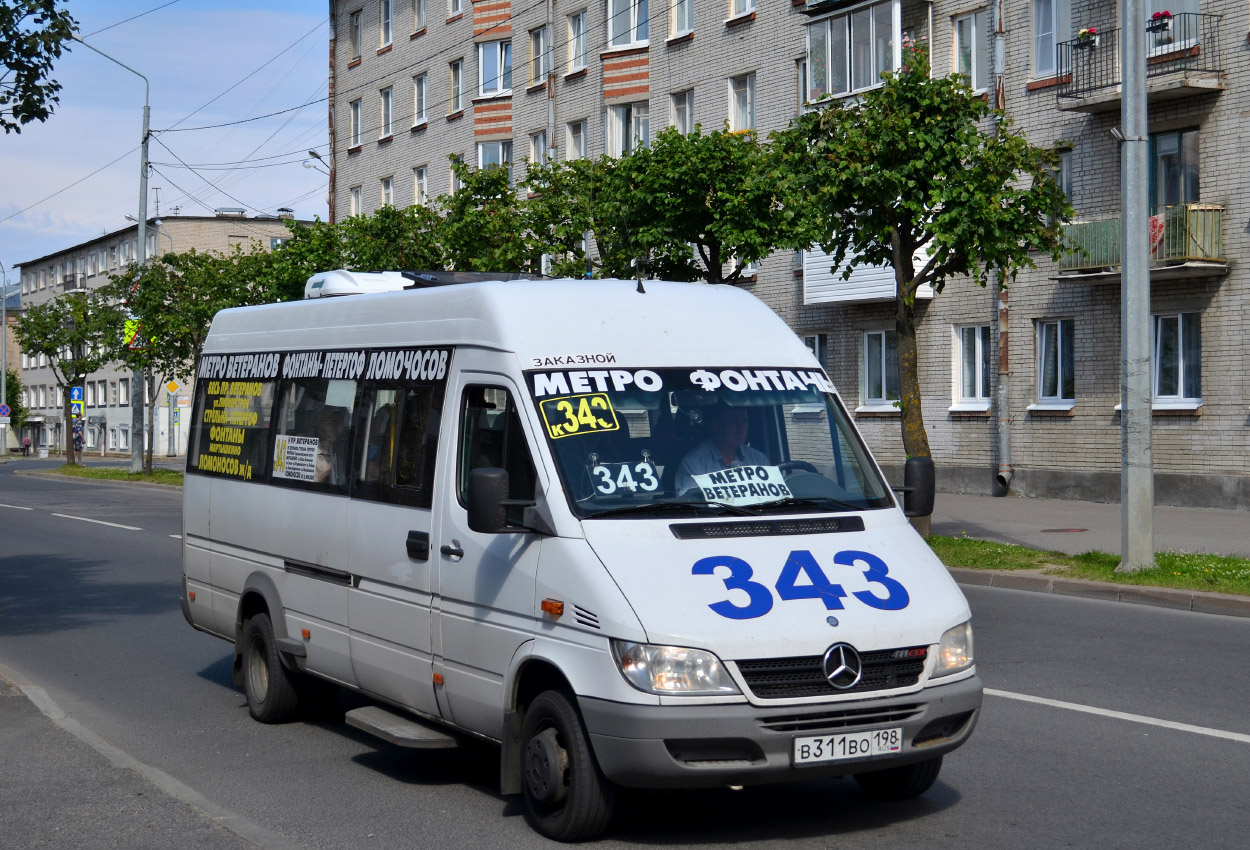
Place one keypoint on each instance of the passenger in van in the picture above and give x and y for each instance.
(725, 446)
(330, 449)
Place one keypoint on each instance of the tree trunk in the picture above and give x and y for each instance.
(69, 429)
(915, 438)
(150, 390)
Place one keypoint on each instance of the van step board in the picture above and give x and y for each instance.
(399, 729)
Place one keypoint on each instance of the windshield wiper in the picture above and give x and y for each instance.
(809, 502)
(663, 507)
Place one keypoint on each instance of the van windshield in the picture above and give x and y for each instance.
(649, 442)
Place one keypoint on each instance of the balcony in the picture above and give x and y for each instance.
(1186, 241)
(1182, 59)
(72, 283)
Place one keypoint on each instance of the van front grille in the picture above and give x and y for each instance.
(835, 721)
(804, 676)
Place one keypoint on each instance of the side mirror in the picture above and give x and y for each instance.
(488, 491)
(919, 486)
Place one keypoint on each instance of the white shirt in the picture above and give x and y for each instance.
(706, 457)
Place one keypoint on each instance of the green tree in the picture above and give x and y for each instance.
(485, 225)
(13, 392)
(73, 332)
(32, 34)
(911, 170)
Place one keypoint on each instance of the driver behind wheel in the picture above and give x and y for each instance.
(725, 446)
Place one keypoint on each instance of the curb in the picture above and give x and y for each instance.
(1160, 597)
(54, 476)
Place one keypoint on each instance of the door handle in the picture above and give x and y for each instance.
(452, 550)
(419, 545)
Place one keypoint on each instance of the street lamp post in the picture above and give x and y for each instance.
(4, 354)
(138, 380)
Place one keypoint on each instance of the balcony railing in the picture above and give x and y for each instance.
(1180, 234)
(1186, 43)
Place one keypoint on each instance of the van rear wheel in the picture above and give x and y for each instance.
(901, 783)
(271, 689)
(567, 797)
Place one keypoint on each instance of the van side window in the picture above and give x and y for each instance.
(312, 434)
(396, 440)
(491, 436)
(230, 428)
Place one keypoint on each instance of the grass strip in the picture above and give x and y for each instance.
(117, 473)
(1180, 570)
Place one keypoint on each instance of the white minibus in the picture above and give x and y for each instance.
(625, 530)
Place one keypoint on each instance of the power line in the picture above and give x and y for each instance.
(70, 186)
(132, 18)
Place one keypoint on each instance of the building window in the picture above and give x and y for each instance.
(1050, 25)
(356, 124)
(742, 103)
(683, 18)
(353, 34)
(354, 207)
(494, 154)
(974, 351)
(880, 367)
(629, 128)
(418, 15)
(419, 99)
(849, 52)
(456, 100)
(385, 9)
(682, 107)
(741, 7)
(540, 54)
(494, 67)
(454, 7)
(801, 74)
(576, 148)
(1056, 381)
(123, 392)
(971, 48)
(1173, 169)
(539, 152)
(627, 22)
(387, 196)
(1065, 173)
(421, 184)
(386, 110)
(1178, 358)
(579, 48)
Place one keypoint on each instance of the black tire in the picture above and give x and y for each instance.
(567, 797)
(901, 783)
(272, 690)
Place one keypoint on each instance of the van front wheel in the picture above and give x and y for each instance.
(901, 783)
(272, 696)
(567, 798)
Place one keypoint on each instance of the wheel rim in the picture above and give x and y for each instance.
(546, 766)
(257, 669)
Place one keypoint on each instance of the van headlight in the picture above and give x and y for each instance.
(671, 669)
(954, 652)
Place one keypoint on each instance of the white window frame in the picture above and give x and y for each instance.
(1049, 20)
(454, 183)
(681, 111)
(357, 122)
(386, 193)
(539, 150)
(681, 18)
(977, 23)
(354, 206)
(579, 42)
(455, 75)
(1057, 334)
(421, 185)
(740, 8)
(877, 398)
(420, 15)
(386, 112)
(742, 102)
(420, 99)
(1183, 367)
(454, 7)
(629, 127)
(505, 153)
(628, 23)
(979, 341)
(386, 22)
(851, 22)
(123, 392)
(355, 35)
(540, 55)
(575, 136)
(500, 54)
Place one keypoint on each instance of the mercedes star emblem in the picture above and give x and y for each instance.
(842, 666)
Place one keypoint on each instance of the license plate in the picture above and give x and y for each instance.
(853, 745)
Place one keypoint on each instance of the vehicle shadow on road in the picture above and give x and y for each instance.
(54, 593)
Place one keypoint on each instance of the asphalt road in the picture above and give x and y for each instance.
(1145, 742)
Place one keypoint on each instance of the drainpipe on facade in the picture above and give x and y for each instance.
(330, 109)
(1003, 390)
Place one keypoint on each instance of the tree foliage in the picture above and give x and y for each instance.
(13, 395)
(32, 35)
(914, 169)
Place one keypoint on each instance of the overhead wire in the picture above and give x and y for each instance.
(132, 18)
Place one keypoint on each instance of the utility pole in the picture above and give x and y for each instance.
(1137, 550)
(4, 354)
(137, 378)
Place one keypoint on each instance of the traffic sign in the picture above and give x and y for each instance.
(75, 408)
(75, 393)
(173, 387)
(4, 420)
(175, 416)
(5, 410)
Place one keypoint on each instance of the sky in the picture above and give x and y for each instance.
(209, 62)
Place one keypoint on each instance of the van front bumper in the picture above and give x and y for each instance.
(702, 746)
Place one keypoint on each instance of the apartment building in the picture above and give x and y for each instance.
(106, 394)
(416, 81)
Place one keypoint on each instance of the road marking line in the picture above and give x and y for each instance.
(17, 507)
(99, 522)
(1121, 715)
